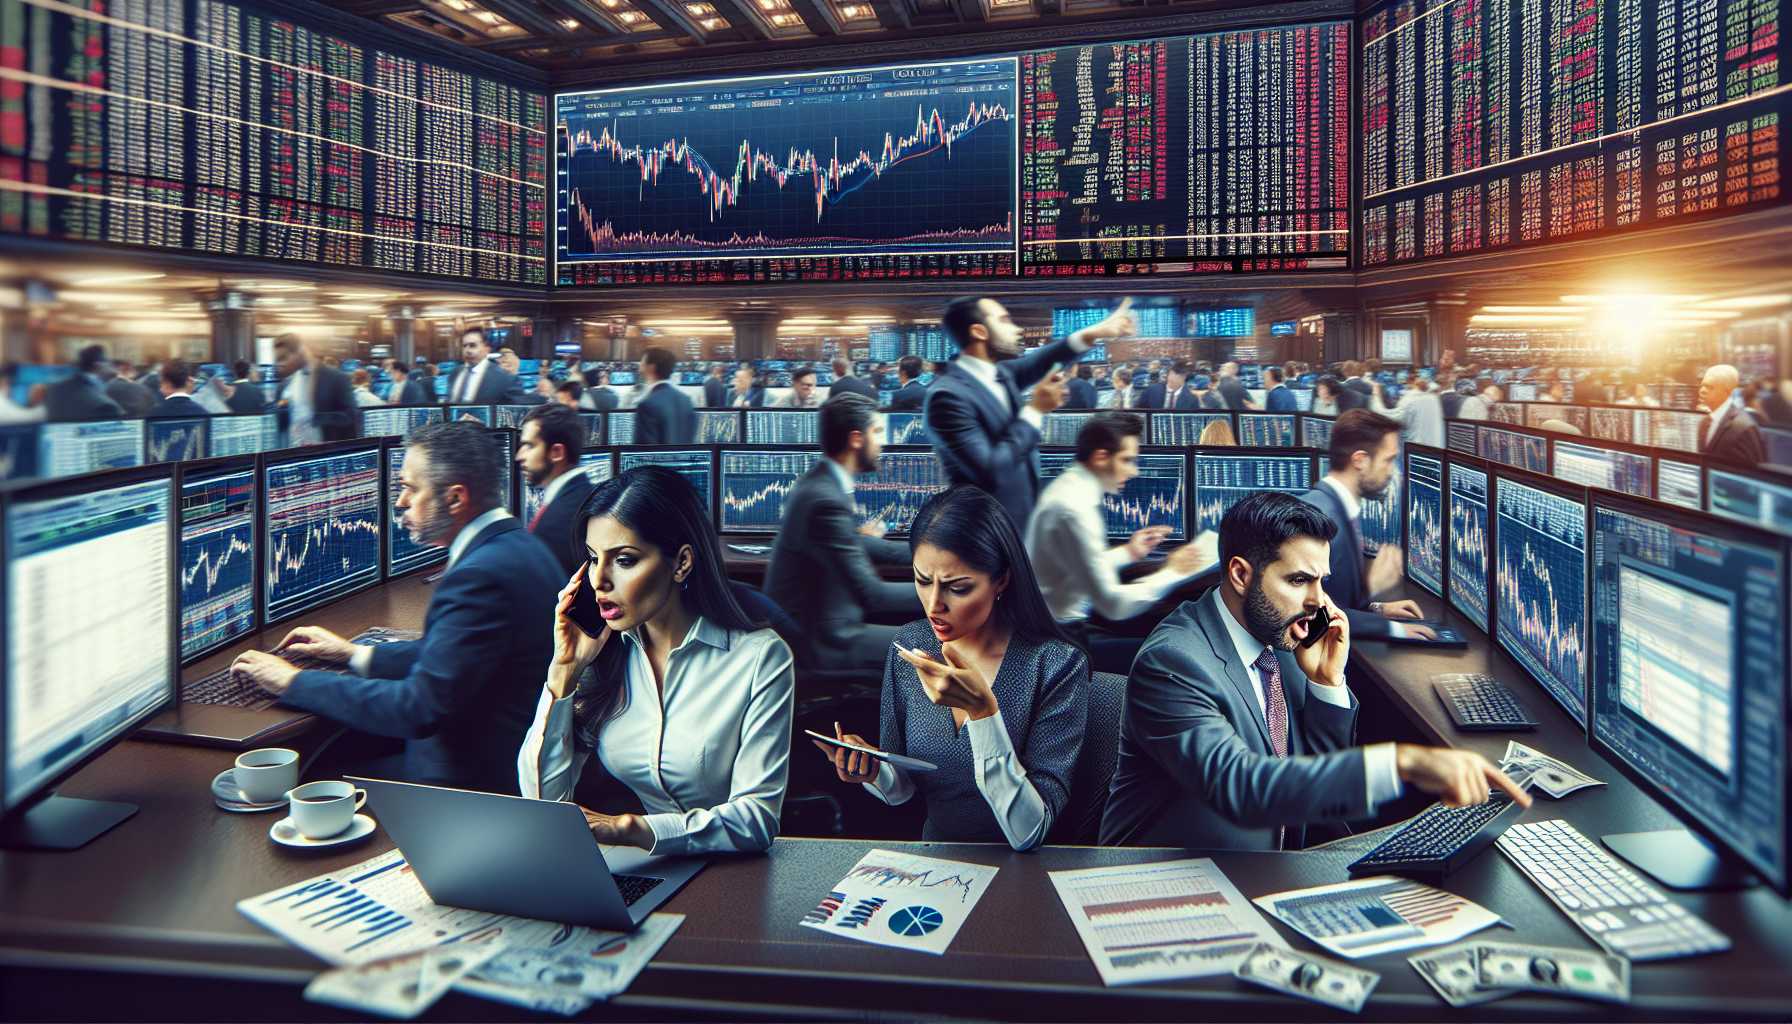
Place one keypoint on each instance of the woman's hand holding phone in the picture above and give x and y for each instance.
(574, 647)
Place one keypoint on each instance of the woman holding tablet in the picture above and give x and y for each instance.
(985, 687)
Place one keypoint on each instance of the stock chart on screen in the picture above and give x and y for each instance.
(692, 464)
(1510, 448)
(755, 486)
(1158, 496)
(1468, 543)
(902, 484)
(217, 559)
(1270, 430)
(402, 553)
(322, 529)
(1424, 521)
(1541, 581)
(782, 426)
(174, 440)
(905, 428)
(1222, 481)
(1604, 467)
(1183, 428)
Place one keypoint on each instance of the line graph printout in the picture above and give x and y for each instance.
(1372, 916)
(888, 172)
(902, 900)
(1155, 922)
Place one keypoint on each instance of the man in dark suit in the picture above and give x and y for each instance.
(83, 395)
(846, 384)
(1353, 381)
(1079, 392)
(1732, 437)
(548, 450)
(479, 380)
(1236, 737)
(317, 403)
(1279, 398)
(406, 390)
(664, 415)
(821, 570)
(177, 392)
(1232, 390)
(599, 396)
(910, 392)
(1170, 393)
(1365, 447)
(745, 393)
(715, 392)
(131, 395)
(463, 695)
(243, 395)
(982, 433)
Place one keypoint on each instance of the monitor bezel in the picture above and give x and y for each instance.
(387, 444)
(1704, 467)
(208, 467)
(740, 424)
(267, 414)
(1300, 429)
(361, 411)
(1483, 426)
(1501, 475)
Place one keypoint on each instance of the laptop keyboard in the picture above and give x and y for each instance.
(633, 887)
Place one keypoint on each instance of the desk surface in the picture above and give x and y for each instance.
(156, 896)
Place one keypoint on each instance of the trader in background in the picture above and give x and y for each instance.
(243, 395)
(130, 393)
(909, 391)
(802, 390)
(463, 695)
(984, 435)
(746, 392)
(1279, 398)
(821, 570)
(1733, 437)
(1172, 392)
(715, 391)
(1079, 391)
(83, 395)
(548, 450)
(177, 392)
(479, 380)
(664, 414)
(846, 384)
(316, 402)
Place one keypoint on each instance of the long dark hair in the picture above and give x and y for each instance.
(966, 521)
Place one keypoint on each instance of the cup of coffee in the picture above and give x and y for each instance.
(265, 775)
(322, 809)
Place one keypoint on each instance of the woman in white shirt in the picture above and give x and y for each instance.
(682, 697)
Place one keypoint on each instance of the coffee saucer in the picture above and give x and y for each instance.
(286, 833)
(229, 797)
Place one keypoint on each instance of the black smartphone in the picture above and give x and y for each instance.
(1317, 626)
(583, 612)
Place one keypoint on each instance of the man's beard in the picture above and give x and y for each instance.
(1380, 492)
(537, 477)
(431, 529)
(1265, 624)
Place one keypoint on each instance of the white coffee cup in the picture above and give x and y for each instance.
(265, 775)
(322, 809)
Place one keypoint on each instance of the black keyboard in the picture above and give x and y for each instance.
(1479, 703)
(221, 689)
(633, 887)
(1439, 839)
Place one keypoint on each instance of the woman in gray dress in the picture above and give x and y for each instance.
(985, 687)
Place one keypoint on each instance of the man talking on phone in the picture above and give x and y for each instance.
(1238, 722)
(984, 435)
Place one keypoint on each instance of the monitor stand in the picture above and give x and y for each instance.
(1679, 859)
(63, 823)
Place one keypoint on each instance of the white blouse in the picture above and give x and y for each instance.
(708, 754)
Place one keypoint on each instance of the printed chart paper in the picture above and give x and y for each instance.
(1384, 914)
(902, 900)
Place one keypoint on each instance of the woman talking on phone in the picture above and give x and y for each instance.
(660, 673)
(985, 686)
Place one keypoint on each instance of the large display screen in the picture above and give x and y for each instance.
(1489, 124)
(220, 129)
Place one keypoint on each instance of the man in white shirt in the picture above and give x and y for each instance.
(1121, 395)
(1067, 540)
(1420, 413)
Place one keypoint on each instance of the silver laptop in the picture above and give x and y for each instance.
(513, 855)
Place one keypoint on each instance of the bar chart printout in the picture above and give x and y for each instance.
(1154, 922)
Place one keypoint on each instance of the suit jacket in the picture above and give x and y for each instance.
(1348, 583)
(665, 416)
(410, 394)
(132, 397)
(1735, 440)
(463, 695)
(247, 397)
(1233, 392)
(1196, 768)
(908, 397)
(854, 385)
(1154, 397)
(1280, 399)
(79, 398)
(1361, 386)
(1079, 394)
(497, 386)
(821, 570)
(602, 399)
(177, 405)
(1212, 402)
(755, 397)
(554, 524)
(715, 392)
(979, 442)
(332, 403)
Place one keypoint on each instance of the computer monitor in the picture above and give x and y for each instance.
(1180, 429)
(906, 428)
(1425, 518)
(1536, 414)
(1779, 444)
(1680, 483)
(1460, 438)
(1316, 432)
(1379, 517)
(91, 641)
(598, 466)
(322, 518)
(1756, 498)
(1540, 581)
(1266, 430)
(1466, 568)
(1529, 452)
(594, 428)
(217, 555)
(1222, 481)
(174, 439)
(1608, 468)
(479, 413)
(1060, 428)
(755, 485)
(18, 451)
(692, 464)
(397, 421)
(243, 434)
(1303, 398)
(783, 426)
(622, 378)
(1689, 687)
(718, 426)
(1676, 429)
(1522, 392)
(506, 441)
(619, 426)
(70, 449)
(1158, 496)
(1506, 412)
(904, 480)
(1611, 424)
(509, 417)
(403, 554)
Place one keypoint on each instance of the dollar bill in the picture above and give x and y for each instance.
(1307, 976)
(566, 974)
(399, 986)
(1541, 771)
(1582, 973)
(1455, 973)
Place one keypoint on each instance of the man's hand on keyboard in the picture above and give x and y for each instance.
(316, 642)
(264, 670)
(1457, 778)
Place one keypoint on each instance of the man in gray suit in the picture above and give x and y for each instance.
(1216, 752)
(821, 569)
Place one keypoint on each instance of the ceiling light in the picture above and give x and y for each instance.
(1533, 309)
(1530, 319)
(1750, 302)
(352, 307)
(715, 23)
(106, 279)
(569, 24)
(127, 298)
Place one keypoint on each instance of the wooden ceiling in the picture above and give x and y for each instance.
(569, 39)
